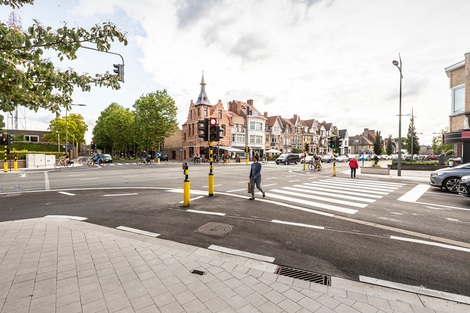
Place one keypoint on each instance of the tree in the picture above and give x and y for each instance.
(389, 149)
(412, 141)
(155, 118)
(74, 130)
(437, 146)
(114, 129)
(35, 82)
(2, 123)
(378, 144)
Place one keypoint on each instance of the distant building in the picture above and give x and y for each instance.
(459, 119)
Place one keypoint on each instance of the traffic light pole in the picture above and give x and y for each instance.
(334, 156)
(211, 175)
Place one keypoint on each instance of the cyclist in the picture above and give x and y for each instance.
(144, 156)
(96, 158)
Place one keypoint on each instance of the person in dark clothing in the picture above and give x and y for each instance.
(255, 177)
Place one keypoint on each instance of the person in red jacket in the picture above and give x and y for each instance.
(353, 165)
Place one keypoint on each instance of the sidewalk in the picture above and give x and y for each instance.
(56, 264)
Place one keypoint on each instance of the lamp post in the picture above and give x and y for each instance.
(67, 124)
(399, 65)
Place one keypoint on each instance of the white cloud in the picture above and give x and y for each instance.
(330, 60)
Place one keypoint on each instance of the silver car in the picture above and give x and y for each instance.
(448, 178)
(464, 185)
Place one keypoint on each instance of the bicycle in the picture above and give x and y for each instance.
(315, 166)
(63, 163)
(195, 161)
(143, 161)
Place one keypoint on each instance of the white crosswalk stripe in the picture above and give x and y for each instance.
(335, 194)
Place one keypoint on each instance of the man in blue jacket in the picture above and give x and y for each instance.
(255, 177)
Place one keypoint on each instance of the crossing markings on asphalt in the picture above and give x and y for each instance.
(342, 195)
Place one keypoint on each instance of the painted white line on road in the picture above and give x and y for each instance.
(121, 194)
(272, 194)
(356, 187)
(68, 217)
(452, 219)
(368, 182)
(267, 185)
(431, 243)
(297, 224)
(67, 193)
(206, 212)
(329, 193)
(415, 289)
(414, 194)
(242, 253)
(345, 192)
(137, 231)
(326, 199)
(235, 190)
(90, 178)
(293, 181)
(47, 185)
(196, 192)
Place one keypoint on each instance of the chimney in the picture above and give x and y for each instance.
(265, 114)
(249, 101)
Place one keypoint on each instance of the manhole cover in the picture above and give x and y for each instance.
(215, 229)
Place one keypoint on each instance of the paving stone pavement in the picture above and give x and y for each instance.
(57, 264)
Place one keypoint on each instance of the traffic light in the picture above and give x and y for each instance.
(307, 146)
(332, 142)
(3, 140)
(339, 142)
(219, 131)
(9, 139)
(92, 145)
(119, 70)
(203, 129)
(213, 129)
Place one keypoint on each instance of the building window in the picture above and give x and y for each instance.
(256, 139)
(238, 138)
(458, 100)
(256, 126)
(219, 114)
(31, 138)
(205, 111)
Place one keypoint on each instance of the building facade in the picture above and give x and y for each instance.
(459, 119)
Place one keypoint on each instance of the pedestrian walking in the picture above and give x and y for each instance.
(353, 165)
(255, 177)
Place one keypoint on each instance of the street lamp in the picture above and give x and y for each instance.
(399, 65)
(66, 125)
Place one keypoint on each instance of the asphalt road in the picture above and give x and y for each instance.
(331, 225)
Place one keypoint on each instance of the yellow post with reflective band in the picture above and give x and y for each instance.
(15, 165)
(246, 154)
(211, 175)
(186, 186)
(5, 163)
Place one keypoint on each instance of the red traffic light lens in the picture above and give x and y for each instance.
(213, 121)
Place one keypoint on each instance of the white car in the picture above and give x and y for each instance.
(385, 157)
(341, 158)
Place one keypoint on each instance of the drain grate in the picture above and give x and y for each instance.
(304, 275)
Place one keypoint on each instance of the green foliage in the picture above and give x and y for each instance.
(114, 129)
(295, 150)
(378, 144)
(75, 129)
(155, 118)
(450, 152)
(438, 146)
(2, 123)
(412, 140)
(38, 83)
(389, 149)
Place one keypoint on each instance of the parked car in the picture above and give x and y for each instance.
(327, 158)
(307, 159)
(106, 158)
(448, 178)
(287, 158)
(464, 185)
(385, 157)
(342, 158)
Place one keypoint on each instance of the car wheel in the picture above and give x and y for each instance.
(451, 184)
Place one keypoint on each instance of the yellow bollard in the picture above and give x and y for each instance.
(186, 186)
(158, 160)
(334, 169)
(15, 165)
(211, 185)
(5, 166)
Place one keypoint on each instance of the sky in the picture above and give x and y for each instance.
(329, 60)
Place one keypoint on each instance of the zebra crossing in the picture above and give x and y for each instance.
(341, 195)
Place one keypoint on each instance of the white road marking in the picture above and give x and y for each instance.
(297, 224)
(414, 194)
(271, 194)
(415, 289)
(67, 193)
(90, 178)
(206, 212)
(349, 188)
(121, 194)
(235, 190)
(293, 181)
(452, 219)
(69, 217)
(431, 243)
(47, 185)
(330, 193)
(242, 253)
(137, 231)
(343, 202)
(345, 192)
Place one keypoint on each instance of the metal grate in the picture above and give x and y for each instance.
(304, 275)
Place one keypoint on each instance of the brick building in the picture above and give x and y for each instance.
(459, 119)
